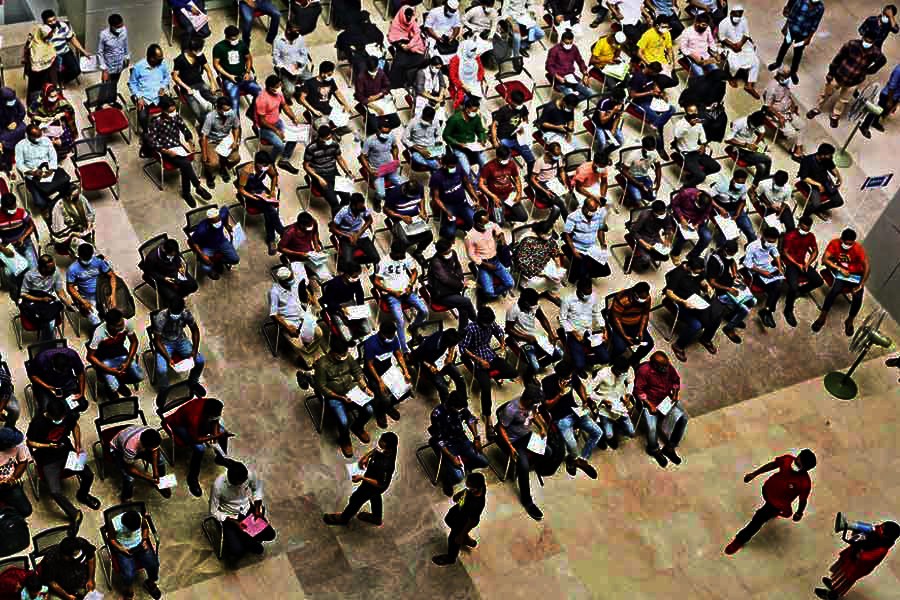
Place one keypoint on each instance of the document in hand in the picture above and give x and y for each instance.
(661, 248)
(689, 234)
(537, 444)
(395, 382)
(354, 469)
(224, 147)
(556, 186)
(416, 227)
(359, 397)
(601, 255)
(355, 313)
(596, 339)
(238, 237)
(696, 302)
(544, 343)
(72, 401)
(296, 133)
(343, 185)
(253, 525)
(727, 226)
(184, 365)
(75, 461)
(665, 406)
(167, 481)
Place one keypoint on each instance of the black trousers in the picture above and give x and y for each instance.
(483, 377)
(181, 289)
(773, 291)
(761, 162)
(452, 546)
(188, 176)
(816, 204)
(364, 493)
(795, 60)
(838, 288)
(460, 303)
(885, 103)
(14, 497)
(765, 513)
(697, 167)
(236, 543)
(366, 245)
(334, 199)
(792, 274)
(441, 383)
(523, 468)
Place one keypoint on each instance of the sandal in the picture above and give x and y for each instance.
(679, 353)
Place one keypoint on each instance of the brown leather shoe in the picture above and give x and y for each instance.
(362, 434)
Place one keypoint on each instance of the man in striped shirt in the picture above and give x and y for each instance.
(63, 39)
(112, 50)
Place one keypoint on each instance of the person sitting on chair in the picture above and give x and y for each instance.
(691, 208)
(14, 460)
(559, 389)
(235, 495)
(823, 178)
(501, 184)
(849, 265)
(16, 231)
(698, 46)
(436, 358)
(129, 539)
(215, 251)
(300, 242)
(482, 360)
(508, 126)
(747, 135)
(43, 297)
(549, 184)
(395, 280)
(9, 406)
(57, 373)
(581, 317)
(257, 184)
(148, 83)
(629, 320)
(340, 292)
(763, 262)
(722, 276)
(538, 260)
(448, 436)
(171, 137)
(585, 236)
(268, 107)
(380, 352)
(198, 424)
(771, 198)
(690, 140)
(465, 135)
(36, 160)
(481, 246)
(800, 251)
(643, 174)
(422, 138)
(447, 284)
(233, 63)
(353, 226)
(168, 273)
(657, 386)
(139, 443)
(611, 390)
(291, 305)
(68, 568)
(730, 202)
(320, 161)
(405, 205)
(172, 345)
(112, 351)
(81, 282)
(700, 313)
(452, 193)
(653, 231)
(521, 326)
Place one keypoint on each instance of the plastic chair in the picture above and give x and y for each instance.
(145, 250)
(33, 351)
(104, 553)
(96, 166)
(44, 541)
(212, 529)
(674, 309)
(108, 120)
(114, 416)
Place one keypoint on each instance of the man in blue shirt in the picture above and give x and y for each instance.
(214, 249)
(352, 225)
(112, 50)
(449, 186)
(378, 152)
(81, 281)
(890, 93)
(405, 205)
(803, 18)
(585, 237)
(380, 352)
(149, 80)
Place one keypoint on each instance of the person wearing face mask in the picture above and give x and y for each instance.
(591, 180)
(372, 91)
(300, 242)
(305, 15)
(556, 122)
(171, 346)
(198, 425)
(823, 179)
(803, 19)
(167, 272)
(549, 183)
(466, 74)
(446, 282)
(770, 199)
(14, 460)
(698, 45)
(436, 357)
(233, 64)
(763, 262)
(848, 265)
(139, 443)
(887, 100)
(452, 193)
(148, 82)
(404, 208)
(569, 414)
(12, 126)
(482, 244)
(165, 135)
(536, 347)
(560, 66)
(730, 202)
(64, 40)
(257, 183)
(645, 86)
(380, 353)
(41, 66)
(655, 44)
(607, 119)
(188, 72)
(217, 155)
(112, 50)
(51, 436)
(690, 140)
(747, 135)
(36, 159)
(250, 9)
(643, 173)
(81, 281)
(722, 276)
(653, 231)
(267, 121)
(699, 310)
(508, 126)
(691, 208)
(53, 113)
(780, 105)
(321, 160)
(57, 373)
(68, 568)
(581, 318)
(9, 406)
(128, 535)
(740, 51)
(422, 139)
(291, 61)
(629, 321)
(606, 51)
(318, 95)
(779, 491)
(538, 260)
(189, 12)
(611, 395)
(482, 360)
(379, 464)
(443, 29)
(500, 183)
(854, 62)
(112, 351)
(657, 386)
(462, 518)
(481, 18)
(236, 495)
(522, 25)
(879, 27)
(466, 135)
(43, 297)
(585, 237)
(396, 278)
(353, 226)
(380, 158)
(431, 89)
(800, 251)
(17, 250)
(340, 292)
(294, 308)
(405, 37)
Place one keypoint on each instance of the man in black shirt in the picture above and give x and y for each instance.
(558, 117)
(340, 292)
(435, 357)
(317, 93)
(698, 309)
(505, 127)
(643, 87)
(819, 172)
(320, 161)
(652, 226)
(448, 436)
(187, 72)
(68, 568)
(559, 400)
(167, 272)
(721, 273)
(463, 517)
(446, 282)
(379, 465)
(50, 444)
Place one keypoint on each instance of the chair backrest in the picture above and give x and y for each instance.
(35, 349)
(118, 411)
(196, 216)
(101, 93)
(624, 151)
(177, 392)
(172, 405)
(43, 541)
(576, 158)
(118, 509)
(151, 245)
(89, 148)
(20, 562)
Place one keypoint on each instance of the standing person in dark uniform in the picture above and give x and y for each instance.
(463, 517)
(379, 465)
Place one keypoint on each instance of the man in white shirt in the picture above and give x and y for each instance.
(610, 390)
(442, 29)
(235, 496)
(770, 198)
(581, 317)
(730, 202)
(690, 141)
(740, 51)
(481, 18)
(37, 163)
(763, 262)
(290, 307)
(291, 61)
(747, 134)
(522, 325)
(395, 279)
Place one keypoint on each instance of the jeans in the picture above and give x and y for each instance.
(483, 377)
(532, 353)
(381, 182)
(698, 70)
(339, 408)
(636, 195)
(334, 199)
(233, 91)
(280, 149)
(697, 167)
(271, 218)
(140, 558)
(523, 468)
(440, 383)
(396, 307)
(744, 225)
(764, 514)
(200, 111)
(14, 497)
(362, 494)
(364, 245)
(464, 159)
(618, 345)
(567, 426)
(265, 7)
(705, 237)
(772, 291)
(583, 355)
(837, 289)
(471, 458)
(461, 304)
(692, 321)
(197, 450)
(653, 421)
(524, 151)
(623, 423)
(93, 317)
(133, 374)
(463, 212)
(605, 138)
(655, 118)
(180, 348)
(761, 162)
(531, 35)
(487, 277)
(792, 274)
(236, 543)
(223, 254)
(583, 91)
(431, 163)
(53, 474)
(739, 312)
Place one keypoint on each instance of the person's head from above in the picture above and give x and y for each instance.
(223, 107)
(364, 17)
(450, 338)
(702, 199)
(285, 277)
(412, 189)
(653, 68)
(167, 108)
(262, 161)
(532, 395)
(804, 461)
(325, 135)
(543, 229)
(620, 366)
(34, 584)
(154, 55)
(739, 180)
(384, 129)
(46, 265)
(169, 250)
(555, 149)
(34, 133)
(387, 443)
(480, 220)
(116, 23)
(756, 119)
(409, 13)
(659, 209)
(291, 32)
(450, 7)
(351, 271)
(8, 203)
(59, 364)
(326, 70)
(273, 84)
(52, 93)
(150, 439)
(888, 12)
(457, 400)
(338, 348)
(56, 410)
(889, 532)
(770, 237)
(783, 76)
(10, 437)
(804, 224)
(450, 162)
(486, 316)
(661, 24)
(780, 178)
(306, 222)
(825, 152)
(660, 362)
(444, 247)
(472, 107)
(563, 372)
(695, 265)
(195, 46)
(70, 550)
(584, 288)
(132, 520)
(357, 204)
(371, 66)
(589, 208)
(701, 22)
(398, 250)
(387, 331)
(115, 321)
(237, 473)
(730, 248)
(233, 35)
(570, 101)
(848, 239)
(648, 145)
(475, 484)
(867, 40)
(528, 300)
(436, 64)
(503, 154)
(427, 115)
(640, 292)
(600, 161)
(176, 307)
(736, 13)
(487, 3)
(692, 114)
(568, 39)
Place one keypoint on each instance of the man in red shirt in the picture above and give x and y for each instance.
(848, 264)
(500, 182)
(779, 492)
(196, 424)
(858, 560)
(268, 106)
(300, 242)
(799, 251)
(657, 386)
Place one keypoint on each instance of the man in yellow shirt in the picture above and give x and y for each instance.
(656, 45)
(606, 50)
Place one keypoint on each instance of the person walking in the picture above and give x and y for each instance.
(462, 518)
(379, 465)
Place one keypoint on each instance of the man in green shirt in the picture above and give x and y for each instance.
(465, 134)
(336, 374)
(234, 66)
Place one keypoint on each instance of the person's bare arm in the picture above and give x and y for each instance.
(771, 466)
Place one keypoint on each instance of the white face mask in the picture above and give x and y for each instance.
(328, 142)
(234, 42)
(846, 246)
(435, 69)
(217, 225)
(735, 20)
(504, 161)
(867, 45)
(802, 232)
(353, 279)
(884, 19)
(473, 114)
(11, 211)
(451, 169)
(739, 187)
(567, 46)
(328, 79)
(448, 255)
(373, 73)
(642, 300)
(175, 316)
(795, 468)
(11, 102)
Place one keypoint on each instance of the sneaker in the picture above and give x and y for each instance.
(225, 175)
(834, 122)
(198, 390)
(213, 275)
(381, 421)
(710, 347)
(613, 442)
(166, 493)
(524, 52)
(570, 467)
(534, 512)
(346, 449)
(732, 335)
(204, 193)
(865, 132)
(447, 489)
(286, 166)
(91, 502)
(878, 127)
(823, 593)
(194, 489)
(585, 466)
(848, 328)
(733, 547)
(795, 79)
(210, 182)
(672, 455)
(153, 589)
(442, 560)
(470, 542)
(76, 522)
(334, 519)
(393, 413)
(789, 318)
(302, 380)
(368, 517)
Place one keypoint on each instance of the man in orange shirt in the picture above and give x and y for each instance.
(779, 492)
(849, 266)
(268, 107)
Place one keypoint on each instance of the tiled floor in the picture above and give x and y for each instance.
(637, 532)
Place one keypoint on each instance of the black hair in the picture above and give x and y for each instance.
(388, 329)
(770, 232)
(351, 267)
(442, 245)
(825, 149)
(262, 157)
(223, 102)
(176, 304)
(389, 440)
(113, 316)
(338, 345)
(568, 35)
(170, 245)
(272, 81)
(641, 287)
(657, 206)
(808, 458)
(196, 45)
(357, 198)
(458, 399)
(486, 315)
(848, 235)
(115, 20)
(451, 337)
(517, 96)
(780, 177)
(237, 473)
(702, 18)
(8, 200)
(56, 407)
(152, 49)
(695, 262)
(649, 142)
(805, 220)
(476, 480)
(132, 519)
(428, 113)
(326, 66)
(69, 546)
(530, 296)
(371, 63)
(232, 31)
(739, 174)
(503, 152)
(47, 14)
(165, 103)
(324, 131)
(150, 438)
(472, 102)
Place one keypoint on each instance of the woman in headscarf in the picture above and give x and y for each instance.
(12, 125)
(40, 59)
(71, 222)
(352, 42)
(466, 73)
(405, 38)
(55, 115)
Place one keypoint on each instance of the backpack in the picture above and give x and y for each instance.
(14, 534)
(124, 299)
